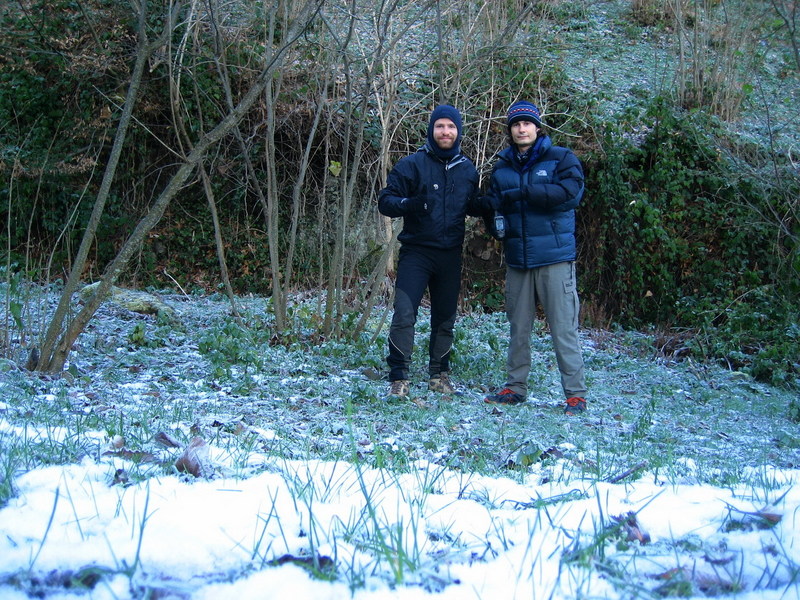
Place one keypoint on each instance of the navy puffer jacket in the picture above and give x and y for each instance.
(450, 189)
(538, 200)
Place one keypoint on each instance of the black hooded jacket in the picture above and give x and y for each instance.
(449, 187)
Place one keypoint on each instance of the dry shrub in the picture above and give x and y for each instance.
(665, 12)
(715, 45)
(653, 12)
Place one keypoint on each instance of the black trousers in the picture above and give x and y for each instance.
(439, 271)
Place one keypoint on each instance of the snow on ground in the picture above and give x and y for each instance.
(446, 534)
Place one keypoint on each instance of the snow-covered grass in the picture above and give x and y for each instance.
(681, 480)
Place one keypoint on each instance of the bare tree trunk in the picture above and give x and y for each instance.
(47, 355)
(223, 265)
(335, 275)
(443, 95)
(179, 114)
(297, 189)
(55, 359)
(787, 11)
(279, 298)
(679, 32)
(221, 63)
(356, 103)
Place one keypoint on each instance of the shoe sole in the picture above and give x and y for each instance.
(403, 399)
(396, 398)
(504, 402)
(453, 393)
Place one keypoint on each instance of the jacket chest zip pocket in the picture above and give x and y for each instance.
(437, 190)
(445, 189)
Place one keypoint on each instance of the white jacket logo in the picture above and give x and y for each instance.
(541, 173)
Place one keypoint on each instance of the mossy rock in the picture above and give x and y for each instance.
(133, 300)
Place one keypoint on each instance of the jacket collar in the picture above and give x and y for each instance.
(449, 161)
(509, 154)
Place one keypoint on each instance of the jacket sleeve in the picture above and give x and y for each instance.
(487, 203)
(564, 192)
(399, 187)
(478, 204)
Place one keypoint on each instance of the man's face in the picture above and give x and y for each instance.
(523, 134)
(445, 133)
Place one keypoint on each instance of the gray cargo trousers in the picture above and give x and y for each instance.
(555, 287)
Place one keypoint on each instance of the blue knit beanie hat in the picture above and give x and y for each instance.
(523, 111)
(445, 111)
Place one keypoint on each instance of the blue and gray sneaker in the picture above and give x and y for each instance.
(575, 406)
(506, 396)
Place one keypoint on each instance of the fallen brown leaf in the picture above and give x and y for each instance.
(195, 460)
(166, 440)
(632, 529)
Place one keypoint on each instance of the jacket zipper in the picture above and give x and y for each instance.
(524, 222)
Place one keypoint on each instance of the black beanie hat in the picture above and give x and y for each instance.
(445, 111)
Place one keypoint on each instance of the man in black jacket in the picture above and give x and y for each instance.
(433, 190)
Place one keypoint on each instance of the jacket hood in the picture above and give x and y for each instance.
(444, 111)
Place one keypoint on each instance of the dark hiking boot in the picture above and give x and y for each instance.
(506, 396)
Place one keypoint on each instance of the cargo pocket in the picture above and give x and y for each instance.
(571, 290)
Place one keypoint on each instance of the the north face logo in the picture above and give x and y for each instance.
(541, 173)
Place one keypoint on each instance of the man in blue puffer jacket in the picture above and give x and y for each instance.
(433, 190)
(536, 187)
